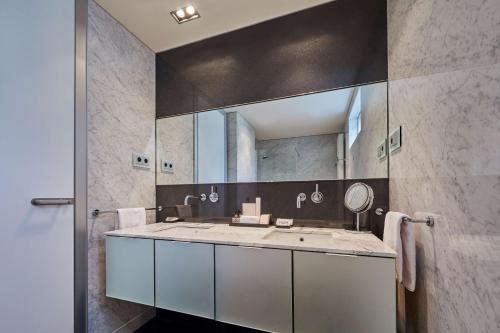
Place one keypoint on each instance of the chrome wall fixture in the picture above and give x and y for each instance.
(300, 198)
(429, 220)
(97, 212)
(317, 197)
(214, 196)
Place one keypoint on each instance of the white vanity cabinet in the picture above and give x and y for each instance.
(343, 293)
(130, 269)
(185, 277)
(253, 287)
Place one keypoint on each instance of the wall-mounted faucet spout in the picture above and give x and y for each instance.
(301, 197)
(202, 198)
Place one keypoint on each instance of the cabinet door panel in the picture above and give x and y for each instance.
(185, 277)
(343, 294)
(130, 269)
(254, 287)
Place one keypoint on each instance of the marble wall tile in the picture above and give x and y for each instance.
(175, 143)
(432, 36)
(301, 158)
(444, 81)
(247, 156)
(241, 152)
(121, 116)
(362, 160)
(449, 165)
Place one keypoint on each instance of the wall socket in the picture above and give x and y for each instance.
(141, 161)
(395, 139)
(167, 166)
(382, 150)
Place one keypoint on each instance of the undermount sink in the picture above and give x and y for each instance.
(298, 236)
(187, 228)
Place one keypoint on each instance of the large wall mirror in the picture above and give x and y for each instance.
(328, 135)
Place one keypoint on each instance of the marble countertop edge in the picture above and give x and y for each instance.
(342, 241)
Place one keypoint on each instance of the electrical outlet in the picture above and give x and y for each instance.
(382, 150)
(395, 139)
(167, 166)
(141, 161)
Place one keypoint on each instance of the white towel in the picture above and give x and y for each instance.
(401, 238)
(131, 217)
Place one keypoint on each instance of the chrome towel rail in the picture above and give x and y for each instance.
(429, 220)
(97, 212)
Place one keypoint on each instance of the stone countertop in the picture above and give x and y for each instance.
(328, 240)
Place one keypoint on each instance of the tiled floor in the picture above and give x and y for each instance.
(170, 322)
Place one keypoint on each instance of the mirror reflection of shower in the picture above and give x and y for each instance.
(265, 156)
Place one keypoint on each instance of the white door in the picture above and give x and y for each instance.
(37, 147)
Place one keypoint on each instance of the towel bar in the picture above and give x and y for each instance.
(429, 220)
(97, 212)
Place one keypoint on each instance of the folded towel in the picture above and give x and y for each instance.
(184, 211)
(131, 217)
(401, 238)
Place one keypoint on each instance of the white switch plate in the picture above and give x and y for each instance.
(141, 161)
(167, 166)
(395, 139)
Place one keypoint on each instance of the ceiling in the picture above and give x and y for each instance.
(151, 22)
(315, 114)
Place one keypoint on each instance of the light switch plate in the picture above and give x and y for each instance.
(395, 139)
(167, 166)
(382, 150)
(141, 161)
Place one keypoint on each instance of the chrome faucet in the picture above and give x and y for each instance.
(301, 197)
(202, 198)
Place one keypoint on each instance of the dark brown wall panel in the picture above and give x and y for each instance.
(278, 199)
(338, 44)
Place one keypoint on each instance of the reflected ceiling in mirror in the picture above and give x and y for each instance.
(321, 136)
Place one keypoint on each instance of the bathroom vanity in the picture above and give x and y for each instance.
(279, 280)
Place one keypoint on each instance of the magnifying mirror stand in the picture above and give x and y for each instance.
(356, 230)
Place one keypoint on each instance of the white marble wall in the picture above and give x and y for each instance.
(362, 160)
(121, 118)
(303, 158)
(444, 89)
(241, 152)
(175, 143)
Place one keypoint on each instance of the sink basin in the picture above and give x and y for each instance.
(185, 228)
(156, 227)
(298, 236)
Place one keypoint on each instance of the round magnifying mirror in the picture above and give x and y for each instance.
(358, 199)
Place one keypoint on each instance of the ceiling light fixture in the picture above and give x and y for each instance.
(180, 14)
(185, 14)
(190, 10)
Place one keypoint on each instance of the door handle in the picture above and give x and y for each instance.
(52, 201)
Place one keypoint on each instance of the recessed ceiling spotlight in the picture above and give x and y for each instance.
(190, 10)
(180, 14)
(185, 14)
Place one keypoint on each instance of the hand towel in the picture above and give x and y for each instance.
(400, 236)
(131, 217)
